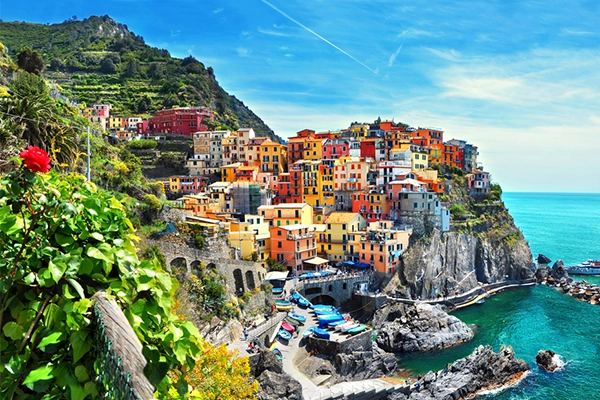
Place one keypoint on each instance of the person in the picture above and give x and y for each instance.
(245, 333)
(446, 369)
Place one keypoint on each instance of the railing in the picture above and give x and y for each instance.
(262, 328)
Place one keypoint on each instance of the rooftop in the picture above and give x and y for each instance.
(341, 217)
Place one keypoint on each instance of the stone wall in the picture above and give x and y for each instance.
(339, 288)
(241, 275)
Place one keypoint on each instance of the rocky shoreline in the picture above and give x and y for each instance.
(558, 278)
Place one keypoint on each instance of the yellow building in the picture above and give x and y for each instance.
(359, 131)
(116, 123)
(228, 172)
(419, 159)
(273, 157)
(313, 149)
(254, 150)
(339, 226)
(287, 214)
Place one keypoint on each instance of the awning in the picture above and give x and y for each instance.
(276, 276)
(316, 261)
(362, 265)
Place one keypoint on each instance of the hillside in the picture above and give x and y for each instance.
(98, 60)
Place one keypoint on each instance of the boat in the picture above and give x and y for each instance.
(285, 335)
(336, 323)
(330, 318)
(589, 267)
(302, 302)
(480, 301)
(283, 302)
(308, 331)
(326, 312)
(345, 324)
(292, 321)
(275, 298)
(277, 353)
(358, 329)
(346, 328)
(321, 333)
(321, 306)
(298, 317)
(284, 307)
(277, 290)
(288, 327)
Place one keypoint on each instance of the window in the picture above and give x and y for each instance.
(278, 233)
(279, 245)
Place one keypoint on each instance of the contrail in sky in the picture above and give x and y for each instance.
(317, 35)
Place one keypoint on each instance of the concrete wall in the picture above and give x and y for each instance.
(361, 342)
(340, 288)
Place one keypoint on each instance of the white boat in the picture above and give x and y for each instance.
(339, 327)
(345, 327)
(589, 267)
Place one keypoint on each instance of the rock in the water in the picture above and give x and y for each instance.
(558, 270)
(482, 370)
(424, 327)
(542, 259)
(547, 360)
(542, 273)
(362, 365)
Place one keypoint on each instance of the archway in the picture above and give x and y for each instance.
(250, 280)
(197, 268)
(323, 299)
(178, 266)
(239, 281)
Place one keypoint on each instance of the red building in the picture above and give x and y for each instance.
(334, 149)
(180, 121)
(284, 189)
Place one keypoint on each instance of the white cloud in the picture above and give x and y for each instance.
(217, 10)
(393, 56)
(414, 33)
(450, 55)
(175, 33)
(272, 32)
(573, 32)
(243, 52)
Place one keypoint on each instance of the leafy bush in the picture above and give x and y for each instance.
(143, 144)
(458, 211)
(63, 241)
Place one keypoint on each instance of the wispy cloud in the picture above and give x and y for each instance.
(272, 32)
(393, 56)
(243, 52)
(175, 33)
(450, 55)
(319, 36)
(218, 10)
(413, 33)
(572, 32)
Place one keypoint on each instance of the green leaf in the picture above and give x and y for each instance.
(97, 254)
(29, 279)
(63, 240)
(9, 225)
(81, 344)
(98, 236)
(50, 339)
(77, 287)
(57, 269)
(40, 374)
(13, 330)
(81, 373)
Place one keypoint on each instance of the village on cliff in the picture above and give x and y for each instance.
(349, 198)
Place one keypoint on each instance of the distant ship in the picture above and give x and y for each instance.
(589, 267)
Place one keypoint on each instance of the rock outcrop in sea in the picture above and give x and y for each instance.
(482, 370)
(274, 384)
(548, 360)
(421, 327)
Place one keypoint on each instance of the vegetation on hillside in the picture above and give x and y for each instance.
(98, 60)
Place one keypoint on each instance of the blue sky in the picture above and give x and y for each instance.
(520, 79)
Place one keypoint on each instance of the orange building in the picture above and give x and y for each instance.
(292, 245)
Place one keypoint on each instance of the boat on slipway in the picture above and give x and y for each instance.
(589, 267)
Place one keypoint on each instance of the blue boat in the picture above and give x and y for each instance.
(336, 323)
(326, 319)
(358, 329)
(302, 302)
(278, 354)
(309, 331)
(277, 290)
(321, 333)
(326, 312)
(297, 317)
(321, 307)
(285, 335)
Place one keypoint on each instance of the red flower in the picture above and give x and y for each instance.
(36, 159)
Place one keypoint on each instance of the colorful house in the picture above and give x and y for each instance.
(287, 214)
(293, 245)
(273, 157)
(339, 225)
(228, 172)
(180, 121)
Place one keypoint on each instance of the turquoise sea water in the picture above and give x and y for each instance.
(561, 226)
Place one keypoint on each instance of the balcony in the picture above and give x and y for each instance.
(301, 236)
(334, 241)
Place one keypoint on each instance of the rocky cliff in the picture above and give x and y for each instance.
(486, 248)
(422, 327)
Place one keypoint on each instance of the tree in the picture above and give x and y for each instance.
(57, 64)
(108, 66)
(27, 84)
(30, 61)
(144, 104)
(132, 67)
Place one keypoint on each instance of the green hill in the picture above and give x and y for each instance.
(98, 60)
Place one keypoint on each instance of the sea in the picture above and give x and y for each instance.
(562, 226)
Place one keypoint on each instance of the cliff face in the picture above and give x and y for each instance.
(489, 250)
